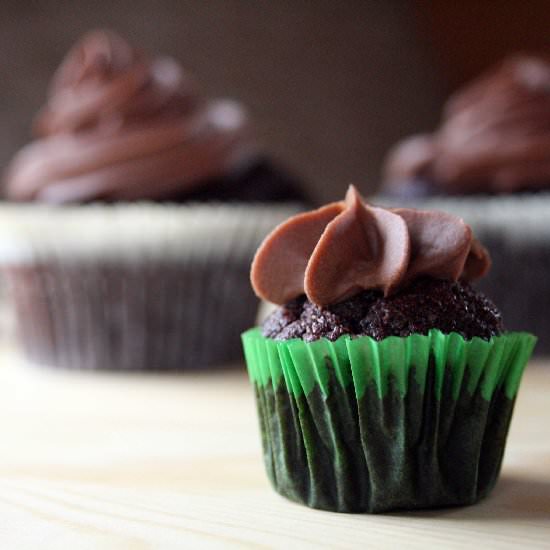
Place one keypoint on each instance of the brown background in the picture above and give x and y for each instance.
(331, 84)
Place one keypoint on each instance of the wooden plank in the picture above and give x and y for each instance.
(116, 461)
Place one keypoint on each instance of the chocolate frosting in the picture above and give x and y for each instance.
(121, 126)
(494, 136)
(346, 247)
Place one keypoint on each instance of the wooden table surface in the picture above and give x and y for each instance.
(111, 461)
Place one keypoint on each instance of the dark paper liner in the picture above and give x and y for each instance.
(144, 287)
(358, 425)
(163, 317)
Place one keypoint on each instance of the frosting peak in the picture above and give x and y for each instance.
(345, 247)
(119, 125)
(494, 135)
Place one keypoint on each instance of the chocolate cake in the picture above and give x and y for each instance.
(425, 304)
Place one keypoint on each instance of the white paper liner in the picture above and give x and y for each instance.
(136, 287)
(125, 232)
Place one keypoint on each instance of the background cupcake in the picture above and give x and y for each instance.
(489, 162)
(120, 126)
(493, 138)
(384, 381)
(135, 286)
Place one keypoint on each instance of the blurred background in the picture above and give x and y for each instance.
(331, 85)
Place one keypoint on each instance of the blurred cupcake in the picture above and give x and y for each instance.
(489, 162)
(494, 138)
(136, 286)
(384, 381)
(120, 126)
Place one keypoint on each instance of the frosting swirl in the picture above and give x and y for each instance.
(494, 136)
(121, 126)
(346, 247)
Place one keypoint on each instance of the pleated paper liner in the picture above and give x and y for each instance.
(133, 287)
(358, 425)
(516, 231)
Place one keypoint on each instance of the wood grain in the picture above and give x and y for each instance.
(107, 461)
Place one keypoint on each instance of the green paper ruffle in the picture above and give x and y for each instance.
(358, 425)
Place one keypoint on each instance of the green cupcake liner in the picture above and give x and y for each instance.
(358, 425)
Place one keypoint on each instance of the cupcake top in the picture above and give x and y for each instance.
(494, 136)
(347, 247)
(350, 268)
(119, 125)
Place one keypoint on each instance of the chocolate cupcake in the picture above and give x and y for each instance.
(384, 381)
(489, 162)
(144, 286)
(494, 138)
(121, 126)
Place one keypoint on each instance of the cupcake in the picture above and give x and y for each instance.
(122, 126)
(100, 275)
(494, 138)
(384, 381)
(489, 162)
